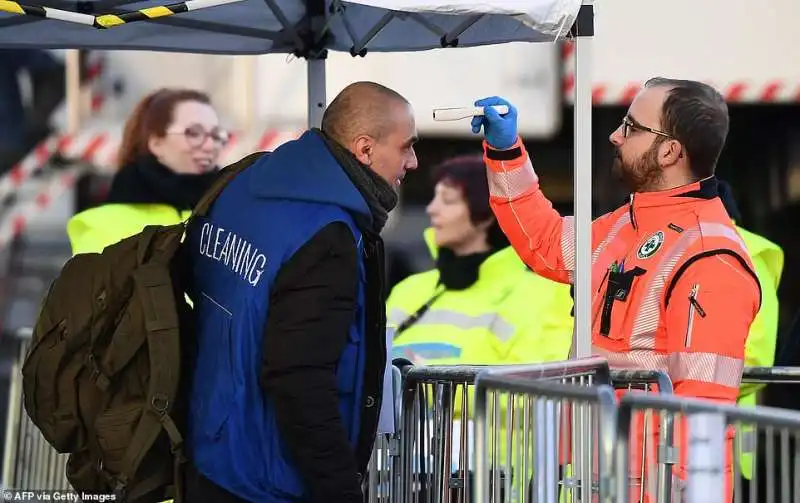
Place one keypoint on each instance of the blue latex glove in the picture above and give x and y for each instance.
(500, 131)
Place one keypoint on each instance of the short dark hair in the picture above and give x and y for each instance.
(360, 108)
(696, 115)
(468, 173)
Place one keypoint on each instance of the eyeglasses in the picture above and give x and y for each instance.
(196, 136)
(628, 125)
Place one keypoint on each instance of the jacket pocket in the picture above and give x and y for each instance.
(695, 309)
(615, 303)
(214, 391)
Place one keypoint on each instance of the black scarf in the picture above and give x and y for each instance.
(459, 272)
(147, 181)
(377, 192)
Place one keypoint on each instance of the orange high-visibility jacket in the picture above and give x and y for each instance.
(673, 287)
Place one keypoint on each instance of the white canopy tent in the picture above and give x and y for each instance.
(310, 28)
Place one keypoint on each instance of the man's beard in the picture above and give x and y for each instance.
(643, 174)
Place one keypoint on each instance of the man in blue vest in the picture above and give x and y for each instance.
(287, 273)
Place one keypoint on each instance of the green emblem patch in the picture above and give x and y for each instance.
(651, 246)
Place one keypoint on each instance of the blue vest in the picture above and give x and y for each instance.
(259, 221)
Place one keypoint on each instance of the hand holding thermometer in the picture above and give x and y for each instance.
(458, 113)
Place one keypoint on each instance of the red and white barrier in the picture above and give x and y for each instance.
(95, 66)
(99, 147)
(739, 91)
(21, 214)
(28, 166)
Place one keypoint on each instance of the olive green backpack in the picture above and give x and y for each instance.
(105, 377)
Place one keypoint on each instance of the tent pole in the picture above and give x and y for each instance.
(243, 88)
(73, 91)
(584, 30)
(316, 91)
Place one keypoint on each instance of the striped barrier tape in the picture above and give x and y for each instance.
(105, 21)
(22, 214)
(28, 166)
(738, 91)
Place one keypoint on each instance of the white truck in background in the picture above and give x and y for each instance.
(264, 97)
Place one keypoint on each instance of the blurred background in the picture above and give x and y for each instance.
(67, 158)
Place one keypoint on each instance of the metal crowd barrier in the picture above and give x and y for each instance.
(547, 400)
(708, 428)
(383, 481)
(766, 465)
(435, 457)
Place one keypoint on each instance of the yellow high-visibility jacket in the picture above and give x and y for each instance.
(510, 315)
(768, 260)
(93, 229)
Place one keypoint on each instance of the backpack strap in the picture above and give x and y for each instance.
(162, 326)
(226, 175)
(152, 281)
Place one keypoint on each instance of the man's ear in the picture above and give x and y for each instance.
(362, 147)
(671, 152)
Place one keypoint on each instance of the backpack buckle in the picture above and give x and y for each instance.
(159, 403)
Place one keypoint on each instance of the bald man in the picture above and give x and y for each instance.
(287, 281)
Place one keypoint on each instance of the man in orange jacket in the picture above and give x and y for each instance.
(672, 283)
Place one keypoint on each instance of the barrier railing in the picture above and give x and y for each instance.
(650, 381)
(767, 375)
(436, 435)
(383, 480)
(543, 392)
(756, 464)
(709, 430)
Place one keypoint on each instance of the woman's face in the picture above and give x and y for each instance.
(193, 142)
(450, 219)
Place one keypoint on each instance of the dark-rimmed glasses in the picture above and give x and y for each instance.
(629, 124)
(196, 136)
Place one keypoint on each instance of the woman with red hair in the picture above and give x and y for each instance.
(168, 158)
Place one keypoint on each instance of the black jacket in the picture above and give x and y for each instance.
(315, 293)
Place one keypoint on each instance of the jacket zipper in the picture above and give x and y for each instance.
(630, 210)
(694, 307)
